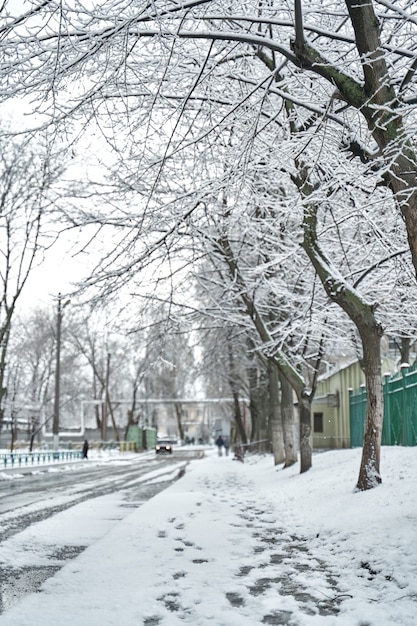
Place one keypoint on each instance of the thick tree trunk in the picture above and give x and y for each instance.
(178, 412)
(96, 406)
(235, 388)
(369, 473)
(304, 404)
(288, 425)
(257, 404)
(3, 390)
(405, 347)
(238, 418)
(257, 374)
(275, 415)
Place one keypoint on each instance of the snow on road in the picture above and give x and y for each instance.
(242, 544)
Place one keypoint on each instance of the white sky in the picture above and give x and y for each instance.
(196, 552)
(57, 273)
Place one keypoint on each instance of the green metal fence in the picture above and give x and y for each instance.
(400, 411)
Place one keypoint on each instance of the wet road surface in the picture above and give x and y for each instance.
(37, 494)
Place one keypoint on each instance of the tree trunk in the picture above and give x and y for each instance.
(178, 412)
(113, 421)
(369, 473)
(362, 315)
(254, 402)
(304, 404)
(96, 406)
(107, 402)
(3, 390)
(130, 422)
(234, 386)
(238, 418)
(288, 426)
(13, 432)
(405, 346)
(275, 415)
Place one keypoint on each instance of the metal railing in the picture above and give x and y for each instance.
(73, 452)
(24, 459)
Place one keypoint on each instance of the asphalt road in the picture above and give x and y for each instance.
(36, 494)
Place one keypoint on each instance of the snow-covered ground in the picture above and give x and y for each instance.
(234, 544)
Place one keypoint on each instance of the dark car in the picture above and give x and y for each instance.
(164, 446)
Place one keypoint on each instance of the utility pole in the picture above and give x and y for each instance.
(55, 423)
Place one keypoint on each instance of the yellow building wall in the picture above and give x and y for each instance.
(332, 399)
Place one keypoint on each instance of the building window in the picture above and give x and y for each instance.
(318, 422)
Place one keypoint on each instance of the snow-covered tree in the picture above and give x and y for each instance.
(166, 83)
(29, 178)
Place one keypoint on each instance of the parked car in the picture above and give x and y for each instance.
(164, 446)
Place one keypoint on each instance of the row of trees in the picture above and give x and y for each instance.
(260, 167)
(98, 368)
(108, 375)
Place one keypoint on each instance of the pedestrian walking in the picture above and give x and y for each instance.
(85, 449)
(220, 444)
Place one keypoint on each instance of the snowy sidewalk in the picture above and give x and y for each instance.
(234, 544)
